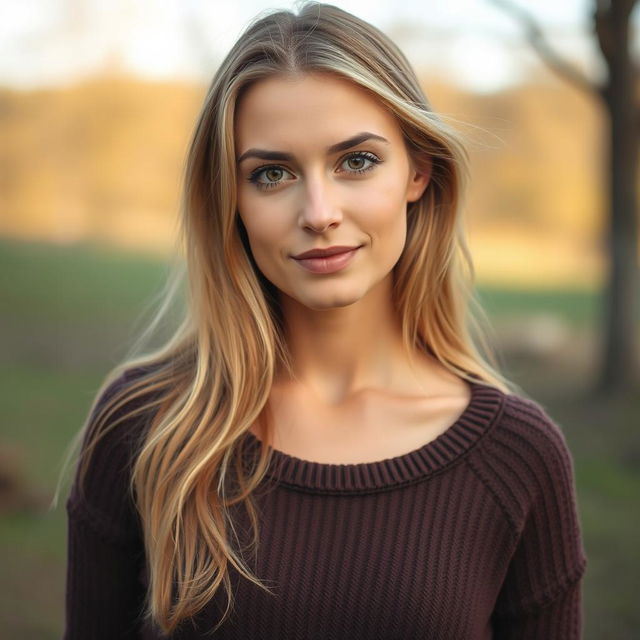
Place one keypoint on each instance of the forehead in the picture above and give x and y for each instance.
(308, 109)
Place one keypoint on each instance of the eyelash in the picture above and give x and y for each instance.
(366, 155)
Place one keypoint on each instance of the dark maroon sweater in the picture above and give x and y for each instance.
(474, 535)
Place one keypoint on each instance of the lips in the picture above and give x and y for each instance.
(323, 253)
(326, 261)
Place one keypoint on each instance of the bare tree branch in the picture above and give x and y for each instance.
(553, 59)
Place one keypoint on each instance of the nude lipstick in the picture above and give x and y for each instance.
(327, 260)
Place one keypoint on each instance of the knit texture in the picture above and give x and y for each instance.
(474, 535)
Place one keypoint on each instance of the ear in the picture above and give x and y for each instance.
(419, 179)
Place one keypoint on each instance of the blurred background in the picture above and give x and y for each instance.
(97, 103)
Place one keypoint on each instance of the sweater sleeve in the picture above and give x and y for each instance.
(104, 596)
(541, 595)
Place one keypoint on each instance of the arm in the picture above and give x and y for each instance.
(561, 618)
(541, 595)
(104, 596)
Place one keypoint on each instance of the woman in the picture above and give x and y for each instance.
(321, 451)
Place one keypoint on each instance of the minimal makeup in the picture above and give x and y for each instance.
(324, 178)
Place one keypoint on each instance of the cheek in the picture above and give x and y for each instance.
(383, 210)
(264, 232)
(261, 241)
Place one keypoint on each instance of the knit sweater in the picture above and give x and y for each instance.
(473, 536)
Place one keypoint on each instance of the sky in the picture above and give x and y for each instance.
(49, 42)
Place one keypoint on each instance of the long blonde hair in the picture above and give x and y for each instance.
(211, 381)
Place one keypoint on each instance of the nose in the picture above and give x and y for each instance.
(319, 211)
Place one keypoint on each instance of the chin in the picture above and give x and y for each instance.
(336, 301)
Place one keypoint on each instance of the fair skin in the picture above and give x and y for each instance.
(356, 395)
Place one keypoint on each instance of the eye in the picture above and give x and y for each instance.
(359, 162)
(269, 177)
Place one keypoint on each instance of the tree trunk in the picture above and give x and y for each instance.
(619, 368)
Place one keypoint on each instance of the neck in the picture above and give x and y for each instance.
(339, 352)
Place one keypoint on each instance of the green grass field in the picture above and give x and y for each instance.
(67, 314)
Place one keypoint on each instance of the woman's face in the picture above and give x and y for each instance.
(322, 168)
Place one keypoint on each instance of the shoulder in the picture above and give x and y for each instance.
(526, 465)
(524, 460)
(101, 493)
(121, 411)
(527, 425)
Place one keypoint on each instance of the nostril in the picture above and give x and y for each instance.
(319, 218)
(320, 227)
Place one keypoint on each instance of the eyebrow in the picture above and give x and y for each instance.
(353, 141)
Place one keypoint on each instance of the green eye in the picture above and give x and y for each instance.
(268, 177)
(359, 162)
(274, 174)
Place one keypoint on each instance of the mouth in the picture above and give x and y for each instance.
(324, 253)
(325, 261)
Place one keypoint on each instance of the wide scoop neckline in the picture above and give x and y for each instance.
(480, 414)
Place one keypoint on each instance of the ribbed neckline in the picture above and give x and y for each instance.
(484, 407)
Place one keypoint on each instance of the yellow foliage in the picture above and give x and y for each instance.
(103, 161)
